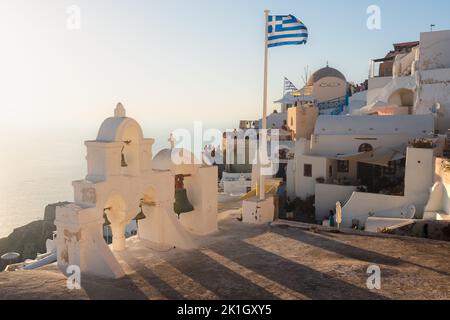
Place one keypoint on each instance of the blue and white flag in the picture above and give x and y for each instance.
(286, 30)
(289, 86)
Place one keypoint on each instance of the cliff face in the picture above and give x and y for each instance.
(30, 239)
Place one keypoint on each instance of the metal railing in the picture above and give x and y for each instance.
(333, 107)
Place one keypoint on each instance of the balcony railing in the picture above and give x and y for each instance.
(333, 107)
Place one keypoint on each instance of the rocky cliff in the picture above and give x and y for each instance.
(30, 239)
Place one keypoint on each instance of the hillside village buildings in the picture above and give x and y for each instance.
(373, 151)
(379, 159)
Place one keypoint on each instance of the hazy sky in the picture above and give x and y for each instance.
(176, 61)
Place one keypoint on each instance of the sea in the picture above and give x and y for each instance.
(37, 168)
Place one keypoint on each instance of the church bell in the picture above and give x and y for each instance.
(105, 217)
(182, 204)
(140, 215)
(124, 163)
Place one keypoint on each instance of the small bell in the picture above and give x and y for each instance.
(107, 222)
(140, 215)
(182, 204)
(124, 163)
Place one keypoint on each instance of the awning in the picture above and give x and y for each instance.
(380, 156)
(287, 99)
(305, 92)
(306, 98)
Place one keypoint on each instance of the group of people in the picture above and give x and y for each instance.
(355, 88)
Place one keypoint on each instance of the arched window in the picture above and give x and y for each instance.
(365, 147)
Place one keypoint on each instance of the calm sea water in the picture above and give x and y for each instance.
(37, 168)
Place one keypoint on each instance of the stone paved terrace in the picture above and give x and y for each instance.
(258, 262)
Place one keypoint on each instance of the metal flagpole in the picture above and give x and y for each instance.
(262, 187)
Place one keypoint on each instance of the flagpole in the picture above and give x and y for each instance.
(266, 53)
(262, 187)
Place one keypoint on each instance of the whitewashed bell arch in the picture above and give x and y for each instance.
(120, 182)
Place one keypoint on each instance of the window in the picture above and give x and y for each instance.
(343, 166)
(365, 147)
(307, 170)
(330, 171)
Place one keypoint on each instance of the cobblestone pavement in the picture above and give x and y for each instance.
(258, 262)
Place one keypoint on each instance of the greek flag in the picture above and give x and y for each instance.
(286, 30)
(289, 86)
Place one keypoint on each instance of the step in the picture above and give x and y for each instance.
(436, 216)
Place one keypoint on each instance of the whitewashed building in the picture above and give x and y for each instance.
(124, 182)
(372, 161)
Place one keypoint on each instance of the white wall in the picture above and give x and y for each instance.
(420, 170)
(327, 195)
(418, 182)
(331, 145)
(435, 89)
(383, 94)
(80, 242)
(439, 200)
(376, 86)
(290, 179)
(403, 64)
(357, 101)
(305, 186)
(435, 50)
(361, 204)
(202, 193)
(378, 82)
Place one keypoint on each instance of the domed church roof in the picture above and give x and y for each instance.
(325, 73)
(113, 128)
(163, 159)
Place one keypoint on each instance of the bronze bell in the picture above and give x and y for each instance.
(140, 215)
(182, 204)
(105, 217)
(124, 163)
